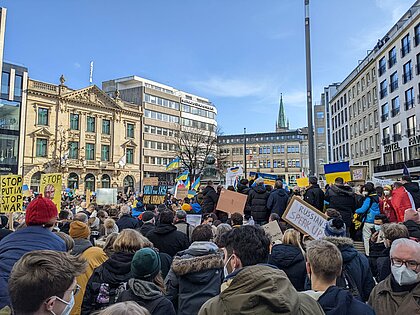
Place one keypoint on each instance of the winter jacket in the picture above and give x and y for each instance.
(290, 259)
(315, 196)
(127, 222)
(371, 206)
(4, 233)
(277, 201)
(260, 289)
(210, 200)
(413, 229)
(383, 264)
(113, 272)
(338, 301)
(195, 277)
(414, 190)
(244, 189)
(185, 228)
(401, 201)
(258, 197)
(18, 243)
(168, 239)
(386, 301)
(386, 208)
(64, 226)
(148, 295)
(80, 245)
(356, 265)
(146, 228)
(341, 198)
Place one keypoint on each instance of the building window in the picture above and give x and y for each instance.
(106, 126)
(417, 35)
(382, 66)
(130, 130)
(397, 131)
(90, 151)
(405, 45)
(105, 152)
(383, 91)
(320, 115)
(418, 64)
(5, 78)
(394, 81)
(90, 124)
(395, 106)
(43, 116)
(411, 126)
(18, 85)
(385, 112)
(73, 150)
(161, 101)
(407, 75)
(409, 99)
(320, 130)
(386, 136)
(392, 57)
(74, 121)
(41, 147)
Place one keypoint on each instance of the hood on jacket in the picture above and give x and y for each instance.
(117, 268)
(259, 189)
(80, 245)
(164, 229)
(412, 187)
(241, 188)
(283, 255)
(207, 190)
(336, 300)
(342, 190)
(259, 288)
(345, 245)
(144, 289)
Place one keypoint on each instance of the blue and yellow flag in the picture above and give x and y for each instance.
(173, 164)
(196, 184)
(334, 170)
(191, 194)
(187, 183)
(182, 176)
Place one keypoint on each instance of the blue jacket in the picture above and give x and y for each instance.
(277, 201)
(15, 245)
(338, 301)
(373, 210)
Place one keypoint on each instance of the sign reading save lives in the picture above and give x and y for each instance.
(306, 218)
(11, 193)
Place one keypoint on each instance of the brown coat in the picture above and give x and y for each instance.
(386, 302)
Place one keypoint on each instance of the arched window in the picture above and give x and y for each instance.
(36, 181)
(90, 182)
(73, 181)
(105, 181)
(128, 183)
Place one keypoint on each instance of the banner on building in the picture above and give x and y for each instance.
(51, 185)
(154, 195)
(11, 193)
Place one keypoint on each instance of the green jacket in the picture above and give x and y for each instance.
(264, 290)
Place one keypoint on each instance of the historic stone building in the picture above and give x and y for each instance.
(91, 138)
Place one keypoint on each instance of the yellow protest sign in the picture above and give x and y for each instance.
(11, 193)
(51, 188)
(302, 182)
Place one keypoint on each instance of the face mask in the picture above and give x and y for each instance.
(387, 192)
(378, 227)
(365, 193)
(225, 270)
(69, 305)
(404, 275)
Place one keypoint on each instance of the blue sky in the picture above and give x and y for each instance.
(240, 54)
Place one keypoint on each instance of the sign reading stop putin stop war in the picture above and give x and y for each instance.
(11, 193)
(51, 188)
(306, 218)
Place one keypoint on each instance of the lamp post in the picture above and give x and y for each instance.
(245, 152)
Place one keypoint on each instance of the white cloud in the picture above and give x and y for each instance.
(396, 7)
(76, 65)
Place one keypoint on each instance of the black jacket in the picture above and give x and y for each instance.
(146, 228)
(315, 196)
(341, 198)
(258, 197)
(148, 295)
(413, 229)
(115, 271)
(64, 226)
(244, 189)
(338, 301)
(168, 239)
(383, 265)
(127, 222)
(290, 259)
(195, 277)
(414, 190)
(210, 200)
(277, 201)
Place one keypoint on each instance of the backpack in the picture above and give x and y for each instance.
(346, 282)
(109, 295)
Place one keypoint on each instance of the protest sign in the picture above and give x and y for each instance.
(231, 202)
(11, 193)
(106, 196)
(194, 219)
(181, 193)
(51, 187)
(233, 174)
(154, 195)
(273, 230)
(150, 181)
(269, 179)
(88, 195)
(302, 182)
(359, 172)
(305, 218)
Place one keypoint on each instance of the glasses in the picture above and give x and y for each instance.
(412, 264)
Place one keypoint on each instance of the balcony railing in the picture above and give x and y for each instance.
(392, 61)
(381, 69)
(397, 166)
(393, 86)
(410, 132)
(386, 140)
(383, 93)
(396, 137)
(395, 112)
(407, 76)
(409, 104)
(384, 117)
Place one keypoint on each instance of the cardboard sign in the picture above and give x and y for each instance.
(150, 181)
(106, 196)
(88, 195)
(181, 193)
(154, 195)
(51, 188)
(231, 201)
(11, 193)
(305, 218)
(273, 230)
(359, 172)
(302, 182)
(194, 219)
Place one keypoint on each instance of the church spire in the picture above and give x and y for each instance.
(281, 121)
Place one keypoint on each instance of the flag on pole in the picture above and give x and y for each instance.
(182, 176)
(196, 184)
(187, 182)
(406, 171)
(173, 164)
(123, 160)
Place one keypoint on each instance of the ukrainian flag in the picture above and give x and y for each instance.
(187, 182)
(173, 164)
(196, 184)
(182, 176)
(191, 194)
(334, 170)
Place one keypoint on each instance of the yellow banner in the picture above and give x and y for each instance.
(11, 193)
(51, 188)
(330, 178)
(302, 182)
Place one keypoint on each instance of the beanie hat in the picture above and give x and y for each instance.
(388, 187)
(79, 229)
(40, 211)
(411, 214)
(147, 216)
(335, 227)
(145, 264)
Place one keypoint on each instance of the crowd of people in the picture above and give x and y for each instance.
(132, 258)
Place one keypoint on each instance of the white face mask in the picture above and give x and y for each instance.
(365, 193)
(69, 305)
(225, 270)
(378, 227)
(387, 192)
(404, 275)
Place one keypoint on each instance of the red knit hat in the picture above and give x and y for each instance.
(40, 211)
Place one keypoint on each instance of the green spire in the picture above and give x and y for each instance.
(281, 121)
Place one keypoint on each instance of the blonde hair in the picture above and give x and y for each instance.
(125, 308)
(292, 237)
(128, 241)
(325, 259)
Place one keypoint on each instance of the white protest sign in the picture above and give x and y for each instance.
(273, 230)
(106, 196)
(194, 219)
(306, 218)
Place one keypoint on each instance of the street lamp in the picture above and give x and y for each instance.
(245, 152)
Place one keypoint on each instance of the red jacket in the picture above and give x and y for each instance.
(385, 206)
(401, 201)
